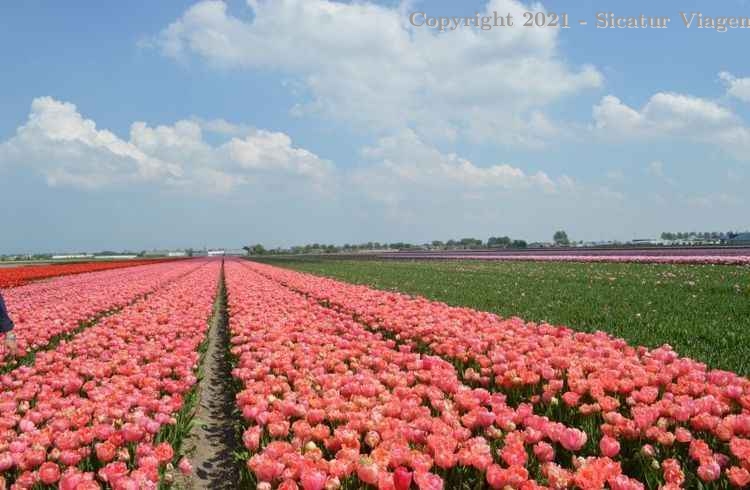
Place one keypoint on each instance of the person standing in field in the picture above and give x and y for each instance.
(6, 327)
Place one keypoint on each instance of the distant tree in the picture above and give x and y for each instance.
(401, 246)
(437, 244)
(471, 242)
(519, 244)
(189, 252)
(502, 241)
(561, 238)
(257, 249)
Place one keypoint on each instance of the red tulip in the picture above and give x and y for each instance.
(402, 478)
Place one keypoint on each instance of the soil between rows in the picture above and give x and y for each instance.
(215, 435)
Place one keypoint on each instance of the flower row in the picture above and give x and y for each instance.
(16, 276)
(44, 310)
(330, 404)
(101, 409)
(667, 420)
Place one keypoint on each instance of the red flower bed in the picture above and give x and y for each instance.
(16, 276)
(669, 422)
(103, 409)
(44, 310)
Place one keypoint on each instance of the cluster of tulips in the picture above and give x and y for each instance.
(667, 421)
(15, 276)
(102, 410)
(330, 404)
(575, 257)
(45, 310)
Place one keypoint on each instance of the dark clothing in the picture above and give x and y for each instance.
(6, 324)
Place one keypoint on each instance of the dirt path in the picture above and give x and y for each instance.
(215, 435)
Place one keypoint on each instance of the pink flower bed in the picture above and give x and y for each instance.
(668, 421)
(100, 410)
(330, 404)
(44, 310)
(22, 274)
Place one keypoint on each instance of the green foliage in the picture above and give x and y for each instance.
(561, 238)
(257, 249)
(502, 241)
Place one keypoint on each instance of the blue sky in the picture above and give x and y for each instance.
(168, 124)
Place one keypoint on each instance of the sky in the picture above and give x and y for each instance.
(141, 125)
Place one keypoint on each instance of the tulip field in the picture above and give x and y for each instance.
(45, 310)
(102, 408)
(344, 386)
(702, 310)
(15, 276)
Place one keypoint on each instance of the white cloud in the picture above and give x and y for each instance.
(405, 168)
(612, 115)
(671, 115)
(68, 150)
(266, 150)
(363, 63)
(664, 113)
(222, 126)
(736, 87)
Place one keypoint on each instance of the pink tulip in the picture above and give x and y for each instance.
(709, 471)
(609, 447)
(544, 452)
(185, 467)
(428, 481)
(49, 473)
(573, 439)
(367, 471)
(313, 480)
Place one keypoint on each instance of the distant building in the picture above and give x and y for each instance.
(179, 253)
(644, 241)
(740, 239)
(72, 256)
(216, 253)
(115, 257)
